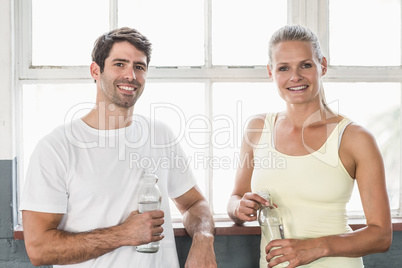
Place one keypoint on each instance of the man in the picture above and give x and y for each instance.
(79, 204)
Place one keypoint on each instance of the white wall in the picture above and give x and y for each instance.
(7, 96)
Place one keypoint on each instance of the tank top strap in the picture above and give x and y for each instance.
(342, 126)
(270, 126)
(266, 138)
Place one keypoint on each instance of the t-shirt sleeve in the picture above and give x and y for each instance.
(180, 176)
(45, 188)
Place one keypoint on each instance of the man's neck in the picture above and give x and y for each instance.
(108, 118)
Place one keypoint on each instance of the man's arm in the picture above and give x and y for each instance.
(47, 245)
(199, 224)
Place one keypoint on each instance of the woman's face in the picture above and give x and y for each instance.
(297, 72)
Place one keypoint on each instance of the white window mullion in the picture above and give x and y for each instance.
(208, 33)
(363, 74)
(208, 95)
(323, 26)
(313, 14)
(399, 213)
(56, 72)
(209, 152)
(400, 151)
(296, 10)
(113, 15)
(400, 132)
(290, 10)
(24, 25)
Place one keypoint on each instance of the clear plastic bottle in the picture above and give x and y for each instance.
(270, 221)
(149, 199)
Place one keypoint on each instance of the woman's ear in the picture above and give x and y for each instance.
(95, 71)
(269, 71)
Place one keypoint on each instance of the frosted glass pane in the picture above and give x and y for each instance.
(45, 106)
(241, 30)
(365, 32)
(182, 107)
(233, 106)
(375, 106)
(63, 32)
(174, 27)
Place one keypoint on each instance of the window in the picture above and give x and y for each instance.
(365, 60)
(365, 36)
(208, 72)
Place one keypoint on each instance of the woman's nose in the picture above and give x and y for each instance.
(295, 76)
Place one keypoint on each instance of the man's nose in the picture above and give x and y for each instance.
(130, 74)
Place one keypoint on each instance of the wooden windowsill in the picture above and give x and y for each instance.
(229, 228)
(252, 228)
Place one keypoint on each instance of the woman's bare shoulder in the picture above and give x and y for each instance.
(257, 121)
(254, 129)
(358, 139)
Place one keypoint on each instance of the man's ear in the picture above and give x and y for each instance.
(95, 71)
(324, 65)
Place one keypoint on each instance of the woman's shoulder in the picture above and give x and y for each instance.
(257, 124)
(357, 138)
(356, 131)
(258, 121)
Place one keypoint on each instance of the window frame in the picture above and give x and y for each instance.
(311, 13)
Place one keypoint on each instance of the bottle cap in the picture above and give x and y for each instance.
(264, 194)
(152, 175)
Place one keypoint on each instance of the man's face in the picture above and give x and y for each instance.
(123, 78)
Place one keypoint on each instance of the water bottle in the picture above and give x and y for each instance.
(270, 221)
(149, 199)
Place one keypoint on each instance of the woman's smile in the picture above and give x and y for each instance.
(298, 88)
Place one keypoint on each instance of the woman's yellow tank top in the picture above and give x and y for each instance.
(311, 191)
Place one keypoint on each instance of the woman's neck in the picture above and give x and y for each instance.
(302, 115)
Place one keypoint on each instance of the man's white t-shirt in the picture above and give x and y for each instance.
(92, 177)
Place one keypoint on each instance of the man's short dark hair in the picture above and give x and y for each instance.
(104, 44)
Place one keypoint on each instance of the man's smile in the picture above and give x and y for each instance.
(128, 88)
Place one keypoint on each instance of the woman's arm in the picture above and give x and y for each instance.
(366, 162)
(243, 204)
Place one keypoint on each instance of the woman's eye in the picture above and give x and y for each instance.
(306, 65)
(281, 69)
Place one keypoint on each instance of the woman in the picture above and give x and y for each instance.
(321, 154)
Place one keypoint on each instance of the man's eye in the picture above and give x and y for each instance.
(119, 64)
(140, 67)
